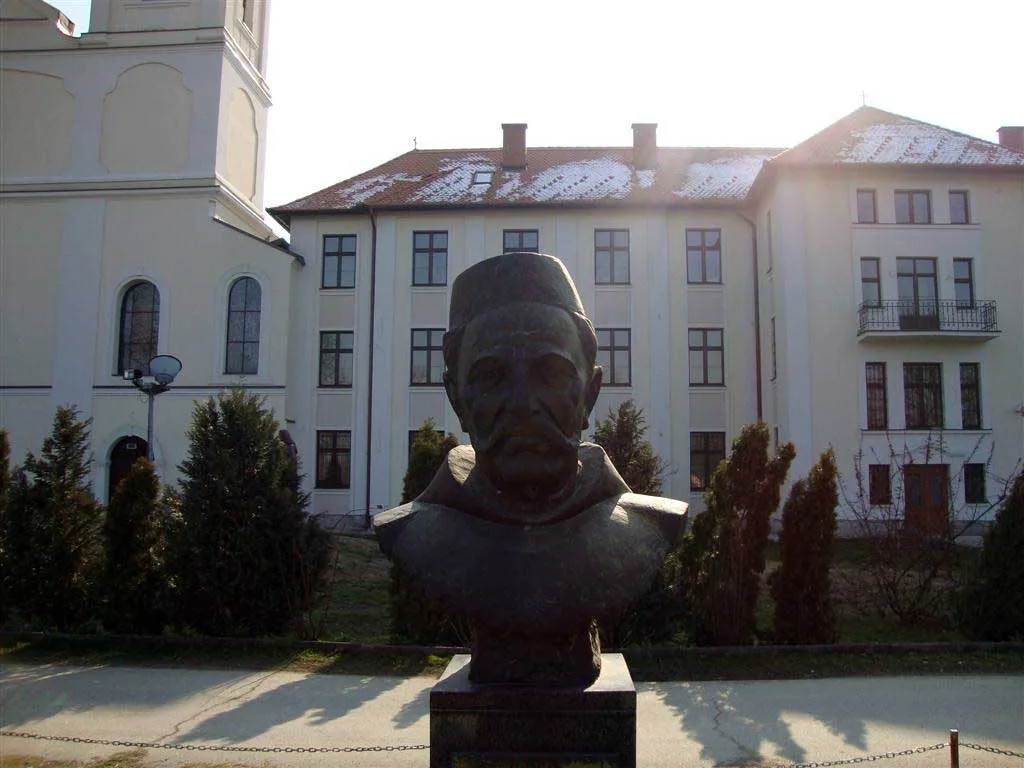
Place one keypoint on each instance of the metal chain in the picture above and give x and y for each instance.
(207, 747)
(993, 750)
(869, 758)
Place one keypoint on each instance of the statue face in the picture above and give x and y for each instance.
(523, 394)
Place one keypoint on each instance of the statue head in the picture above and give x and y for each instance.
(520, 371)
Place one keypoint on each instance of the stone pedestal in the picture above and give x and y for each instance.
(489, 726)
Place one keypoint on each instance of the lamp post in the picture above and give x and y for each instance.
(162, 369)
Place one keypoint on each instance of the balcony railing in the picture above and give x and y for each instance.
(928, 316)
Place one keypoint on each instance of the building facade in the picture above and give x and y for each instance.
(862, 290)
(131, 220)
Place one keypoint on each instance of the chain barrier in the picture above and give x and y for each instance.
(993, 750)
(869, 758)
(410, 747)
(209, 747)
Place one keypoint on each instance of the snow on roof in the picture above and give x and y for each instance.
(729, 177)
(873, 136)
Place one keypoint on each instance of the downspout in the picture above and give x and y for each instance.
(757, 313)
(369, 381)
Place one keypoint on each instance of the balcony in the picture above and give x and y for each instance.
(927, 318)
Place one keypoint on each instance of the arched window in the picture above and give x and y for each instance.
(243, 343)
(140, 327)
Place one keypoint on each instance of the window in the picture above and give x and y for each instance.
(867, 212)
(482, 177)
(879, 485)
(614, 353)
(768, 232)
(913, 206)
(870, 282)
(427, 356)
(333, 458)
(922, 394)
(611, 256)
(513, 240)
(774, 352)
(336, 356)
(429, 258)
(878, 404)
(704, 256)
(707, 450)
(959, 207)
(139, 328)
(339, 261)
(243, 344)
(707, 357)
(963, 283)
(970, 395)
(974, 484)
(917, 287)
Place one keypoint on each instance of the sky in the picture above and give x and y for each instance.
(356, 83)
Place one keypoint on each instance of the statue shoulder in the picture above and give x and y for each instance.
(390, 524)
(669, 515)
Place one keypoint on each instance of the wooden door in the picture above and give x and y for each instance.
(927, 500)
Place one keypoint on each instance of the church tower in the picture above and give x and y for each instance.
(131, 218)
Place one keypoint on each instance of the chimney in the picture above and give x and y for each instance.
(513, 147)
(1012, 137)
(645, 144)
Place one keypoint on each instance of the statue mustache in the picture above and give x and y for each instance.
(540, 428)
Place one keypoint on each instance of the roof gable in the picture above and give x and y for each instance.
(870, 136)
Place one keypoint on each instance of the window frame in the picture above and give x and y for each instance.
(431, 252)
(342, 256)
(611, 348)
(965, 195)
(911, 214)
(876, 387)
(918, 391)
(614, 253)
(874, 206)
(875, 281)
(703, 457)
(702, 252)
(519, 233)
(970, 396)
(706, 349)
(431, 350)
(975, 490)
(968, 281)
(338, 353)
(879, 485)
(774, 349)
(245, 341)
(124, 341)
(335, 449)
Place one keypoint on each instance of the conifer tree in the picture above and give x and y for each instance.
(801, 587)
(994, 598)
(426, 453)
(246, 558)
(622, 435)
(52, 529)
(723, 554)
(133, 536)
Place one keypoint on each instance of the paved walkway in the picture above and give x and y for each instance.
(689, 724)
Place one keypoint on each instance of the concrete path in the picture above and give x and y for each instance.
(689, 724)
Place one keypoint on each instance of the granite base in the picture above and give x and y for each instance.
(490, 726)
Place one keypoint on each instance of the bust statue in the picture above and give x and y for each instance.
(529, 532)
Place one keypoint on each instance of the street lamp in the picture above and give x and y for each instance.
(162, 369)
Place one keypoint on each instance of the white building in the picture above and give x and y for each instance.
(131, 162)
(859, 290)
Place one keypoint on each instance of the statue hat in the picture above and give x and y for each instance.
(512, 278)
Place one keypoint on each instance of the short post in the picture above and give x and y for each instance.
(954, 748)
